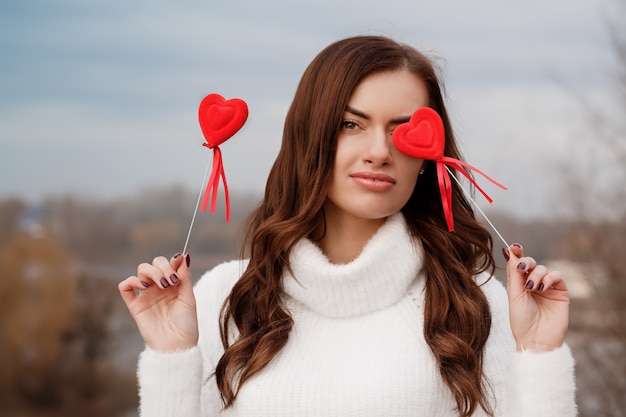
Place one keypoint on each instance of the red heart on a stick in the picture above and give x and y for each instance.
(220, 118)
(422, 137)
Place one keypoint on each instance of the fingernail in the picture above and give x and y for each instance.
(188, 259)
(174, 279)
(145, 284)
(521, 266)
(540, 287)
(506, 254)
(164, 282)
(530, 284)
(517, 245)
(177, 255)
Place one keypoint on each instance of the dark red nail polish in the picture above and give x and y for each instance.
(145, 284)
(517, 245)
(521, 266)
(177, 255)
(506, 254)
(164, 282)
(540, 287)
(530, 284)
(188, 260)
(174, 278)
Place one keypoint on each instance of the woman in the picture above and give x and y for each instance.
(355, 299)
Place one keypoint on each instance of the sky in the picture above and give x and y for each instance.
(99, 98)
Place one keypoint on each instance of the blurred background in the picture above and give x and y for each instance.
(101, 160)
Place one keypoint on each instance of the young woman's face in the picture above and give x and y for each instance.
(371, 179)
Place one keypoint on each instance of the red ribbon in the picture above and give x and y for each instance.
(214, 181)
(445, 186)
(423, 137)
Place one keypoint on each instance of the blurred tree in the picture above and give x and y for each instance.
(90, 229)
(596, 193)
(156, 237)
(36, 294)
(154, 222)
(11, 212)
(598, 196)
(53, 330)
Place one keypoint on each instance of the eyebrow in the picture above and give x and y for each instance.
(365, 116)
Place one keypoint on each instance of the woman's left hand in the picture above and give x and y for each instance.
(538, 303)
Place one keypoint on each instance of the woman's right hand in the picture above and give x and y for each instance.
(160, 299)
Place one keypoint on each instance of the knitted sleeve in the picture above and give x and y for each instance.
(169, 383)
(544, 383)
(181, 383)
(525, 384)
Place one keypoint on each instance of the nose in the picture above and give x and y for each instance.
(378, 152)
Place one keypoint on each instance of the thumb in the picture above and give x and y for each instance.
(180, 263)
(515, 278)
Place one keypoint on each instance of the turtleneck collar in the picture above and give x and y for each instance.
(379, 277)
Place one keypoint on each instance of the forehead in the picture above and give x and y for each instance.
(396, 92)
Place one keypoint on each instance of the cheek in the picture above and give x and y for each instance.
(410, 175)
(343, 160)
(344, 151)
(409, 168)
(335, 170)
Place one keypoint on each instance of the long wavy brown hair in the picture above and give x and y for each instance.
(255, 325)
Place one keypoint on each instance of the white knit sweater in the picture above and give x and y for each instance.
(356, 349)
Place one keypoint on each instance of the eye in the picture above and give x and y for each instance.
(349, 125)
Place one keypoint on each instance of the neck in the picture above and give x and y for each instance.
(388, 264)
(346, 235)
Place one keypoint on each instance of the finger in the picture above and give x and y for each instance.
(526, 264)
(170, 277)
(517, 250)
(152, 274)
(516, 279)
(128, 287)
(535, 277)
(552, 280)
(181, 263)
(176, 260)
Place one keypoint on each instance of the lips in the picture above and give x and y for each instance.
(374, 176)
(373, 181)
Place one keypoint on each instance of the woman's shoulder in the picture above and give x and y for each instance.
(210, 291)
(218, 281)
(495, 292)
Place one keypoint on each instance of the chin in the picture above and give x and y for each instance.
(376, 214)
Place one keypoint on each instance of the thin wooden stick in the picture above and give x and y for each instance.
(206, 173)
(476, 205)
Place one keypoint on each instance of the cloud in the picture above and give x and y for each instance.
(102, 96)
